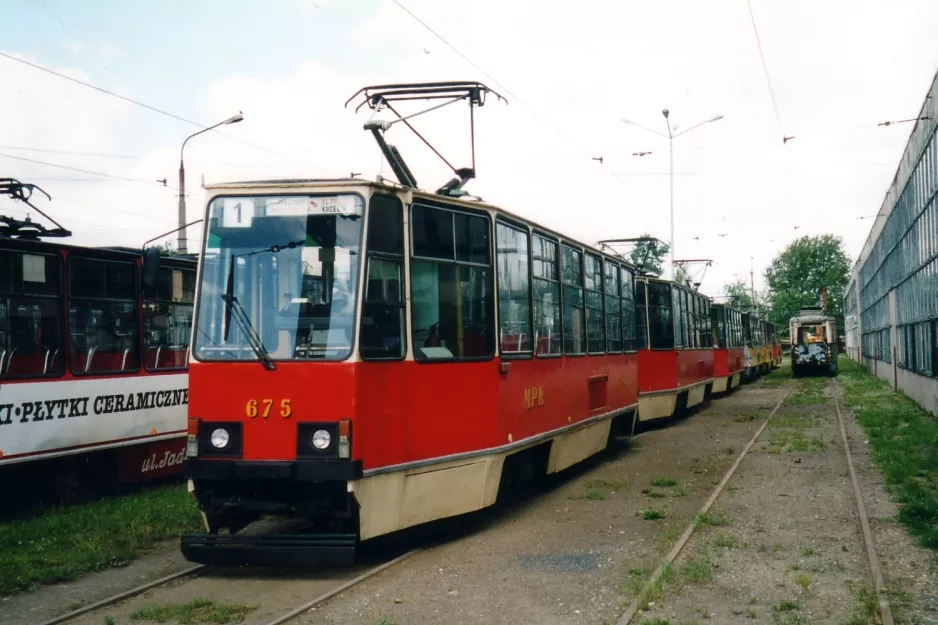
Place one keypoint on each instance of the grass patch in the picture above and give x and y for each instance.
(664, 482)
(196, 611)
(654, 494)
(653, 514)
(714, 520)
(778, 377)
(655, 591)
(803, 580)
(723, 541)
(903, 438)
(59, 544)
(867, 611)
(745, 418)
(670, 534)
(698, 569)
(680, 489)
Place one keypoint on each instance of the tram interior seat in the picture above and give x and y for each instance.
(17, 363)
(114, 359)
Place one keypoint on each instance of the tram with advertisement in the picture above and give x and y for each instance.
(728, 354)
(93, 382)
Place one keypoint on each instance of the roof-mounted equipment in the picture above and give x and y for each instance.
(26, 228)
(380, 97)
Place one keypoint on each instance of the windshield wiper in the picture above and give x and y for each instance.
(232, 305)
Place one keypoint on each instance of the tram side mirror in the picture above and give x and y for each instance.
(151, 266)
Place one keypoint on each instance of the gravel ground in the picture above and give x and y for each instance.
(791, 550)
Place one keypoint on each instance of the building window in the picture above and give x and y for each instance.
(103, 320)
(573, 309)
(514, 289)
(595, 329)
(547, 324)
(661, 328)
(382, 323)
(167, 319)
(641, 315)
(32, 337)
(451, 285)
(613, 309)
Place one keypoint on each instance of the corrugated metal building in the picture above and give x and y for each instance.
(891, 301)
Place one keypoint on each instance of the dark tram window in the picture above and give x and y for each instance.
(613, 308)
(680, 317)
(514, 289)
(32, 336)
(547, 323)
(573, 309)
(103, 321)
(451, 287)
(382, 324)
(659, 316)
(629, 329)
(641, 315)
(595, 329)
(167, 319)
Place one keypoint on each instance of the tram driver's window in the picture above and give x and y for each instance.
(382, 325)
(103, 321)
(31, 331)
(451, 285)
(659, 316)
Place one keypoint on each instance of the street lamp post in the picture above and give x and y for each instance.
(671, 136)
(234, 119)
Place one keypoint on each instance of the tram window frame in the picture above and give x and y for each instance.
(384, 247)
(460, 242)
(527, 317)
(627, 309)
(545, 280)
(677, 315)
(12, 297)
(612, 305)
(156, 304)
(105, 295)
(593, 302)
(660, 326)
(643, 340)
(572, 285)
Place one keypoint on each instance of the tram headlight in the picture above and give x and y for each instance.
(321, 439)
(220, 438)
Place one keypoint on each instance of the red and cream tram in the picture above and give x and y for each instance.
(728, 357)
(92, 364)
(675, 348)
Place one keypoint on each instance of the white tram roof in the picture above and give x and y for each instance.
(319, 185)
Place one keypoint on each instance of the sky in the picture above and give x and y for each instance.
(571, 72)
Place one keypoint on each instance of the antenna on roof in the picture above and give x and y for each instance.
(380, 97)
(26, 228)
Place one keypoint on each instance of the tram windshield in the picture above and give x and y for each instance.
(283, 268)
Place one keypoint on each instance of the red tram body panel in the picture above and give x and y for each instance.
(729, 357)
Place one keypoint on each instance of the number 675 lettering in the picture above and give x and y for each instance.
(262, 407)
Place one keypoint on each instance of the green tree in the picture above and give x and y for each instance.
(167, 249)
(739, 296)
(797, 276)
(649, 254)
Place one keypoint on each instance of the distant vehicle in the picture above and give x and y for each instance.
(814, 342)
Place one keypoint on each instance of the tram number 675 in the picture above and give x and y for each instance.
(262, 407)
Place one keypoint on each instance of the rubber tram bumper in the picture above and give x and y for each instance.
(270, 549)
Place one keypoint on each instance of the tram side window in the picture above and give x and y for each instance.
(382, 324)
(707, 338)
(689, 321)
(595, 330)
(641, 315)
(680, 331)
(659, 316)
(698, 330)
(31, 331)
(167, 319)
(547, 326)
(629, 313)
(613, 308)
(451, 285)
(514, 289)
(103, 320)
(718, 323)
(573, 311)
